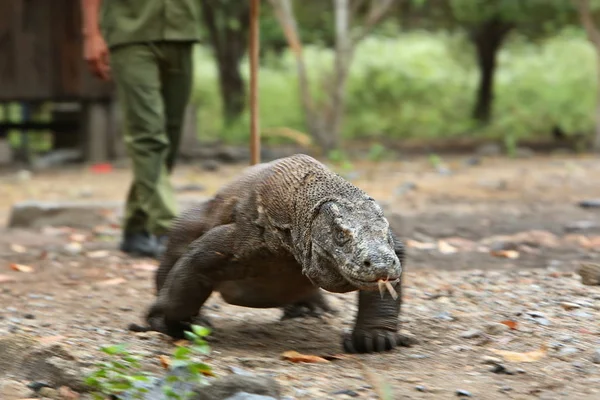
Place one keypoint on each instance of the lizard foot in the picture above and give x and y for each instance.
(375, 341)
(315, 307)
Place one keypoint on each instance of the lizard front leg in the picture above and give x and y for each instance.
(190, 282)
(377, 320)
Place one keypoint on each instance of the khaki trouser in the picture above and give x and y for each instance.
(153, 86)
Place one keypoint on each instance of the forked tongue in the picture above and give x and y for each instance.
(385, 284)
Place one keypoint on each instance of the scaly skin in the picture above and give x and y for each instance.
(276, 236)
(590, 273)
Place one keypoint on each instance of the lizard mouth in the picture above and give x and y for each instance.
(372, 284)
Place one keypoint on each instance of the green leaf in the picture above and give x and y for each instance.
(181, 352)
(199, 367)
(201, 330)
(115, 349)
(202, 349)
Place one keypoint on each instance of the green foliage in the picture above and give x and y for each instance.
(421, 85)
(121, 374)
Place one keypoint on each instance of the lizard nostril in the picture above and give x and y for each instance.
(367, 263)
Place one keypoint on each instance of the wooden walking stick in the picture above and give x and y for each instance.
(254, 47)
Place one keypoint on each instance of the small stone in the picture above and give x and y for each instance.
(501, 369)
(490, 360)
(592, 203)
(405, 188)
(463, 393)
(471, 333)
(472, 161)
(210, 165)
(190, 187)
(421, 388)
(569, 306)
(582, 314)
(496, 328)
(13, 390)
(73, 248)
(29, 316)
(566, 352)
(347, 392)
(445, 316)
(596, 357)
(36, 386)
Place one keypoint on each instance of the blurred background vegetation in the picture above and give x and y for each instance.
(505, 70)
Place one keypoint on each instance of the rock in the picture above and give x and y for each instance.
(50, 393)
(501, 369)
(190, 187)
(5, 152)
(569, 306)
(471, 333)
(231, 385)
(210, 165)
(471, 161)
(596, 356)
(524, 152)
(489, 149)
(421, 388)
(14, 390)
(346, 392)
(76, 214)
(405, 188)
(249, 396)
(566, 352)
(73, 248)
(463, 393)
(579, 226)
(496, 328)
(490, 360)
(12, 347)
(592, 203)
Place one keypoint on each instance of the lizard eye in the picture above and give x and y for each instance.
(341, 236)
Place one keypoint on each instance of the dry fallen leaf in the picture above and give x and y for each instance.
(420, 245)
(21, 268)
(50, 339)
(77, 237)
(97, 254)
(512, 254)
(17, 248)
(181, 342)
(513, 356)
(111, 282)
(145, 267)
(446, 248)
(511, 324)
(6, 278)
(165, 361)
(67, 394)
(296, 357)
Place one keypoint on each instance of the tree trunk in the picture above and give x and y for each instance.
(487, 39)
(229, 43)
(596, 143)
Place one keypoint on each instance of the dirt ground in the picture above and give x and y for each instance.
(493, 245)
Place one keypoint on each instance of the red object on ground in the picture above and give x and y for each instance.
(101, 168)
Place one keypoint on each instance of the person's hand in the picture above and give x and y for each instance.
(95, 53)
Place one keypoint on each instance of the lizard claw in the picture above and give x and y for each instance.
(375, 341)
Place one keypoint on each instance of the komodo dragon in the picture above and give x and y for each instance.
(272, 238)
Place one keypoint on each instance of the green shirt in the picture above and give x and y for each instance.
(139, 21)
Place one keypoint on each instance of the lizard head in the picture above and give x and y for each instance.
(352, 247)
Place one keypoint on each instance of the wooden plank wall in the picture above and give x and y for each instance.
(41, 55)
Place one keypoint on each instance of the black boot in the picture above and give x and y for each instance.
(139, 244)
(161, 245)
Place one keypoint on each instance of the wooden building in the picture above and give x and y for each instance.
(41, 60)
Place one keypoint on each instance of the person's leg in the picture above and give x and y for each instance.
(137, 76)
(176, 79)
